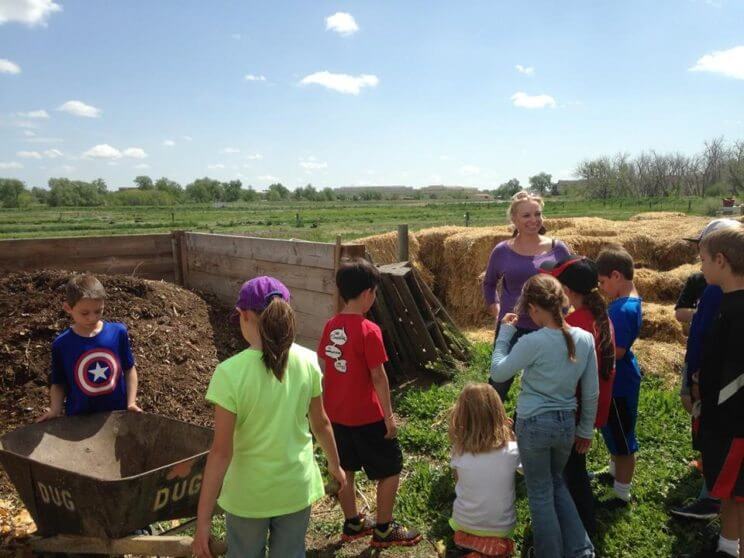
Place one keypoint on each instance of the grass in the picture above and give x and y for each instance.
(663, 478)
(317, 221)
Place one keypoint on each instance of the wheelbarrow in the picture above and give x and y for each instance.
(90, 481)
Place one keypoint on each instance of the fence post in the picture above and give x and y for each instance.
(297, 219)
(180, 258)
(689, 206)
(402, 243)
(336, 262)
(467, 218)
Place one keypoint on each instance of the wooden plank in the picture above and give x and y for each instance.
(180, 257)
(157, 267)
(162, 545)
(420, 328)
(353, 251)
(404, 323)
(294, 276)
(296, 252)
(432, 324)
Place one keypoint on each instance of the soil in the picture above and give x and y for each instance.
(177, 338)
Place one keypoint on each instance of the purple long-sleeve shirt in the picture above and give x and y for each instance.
(515, 269)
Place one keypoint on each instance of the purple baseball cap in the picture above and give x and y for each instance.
(257, 293)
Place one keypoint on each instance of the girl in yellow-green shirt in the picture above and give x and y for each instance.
(266, 399)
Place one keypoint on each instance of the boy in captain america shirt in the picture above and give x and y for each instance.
(92, 363)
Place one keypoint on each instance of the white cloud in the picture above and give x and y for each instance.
(254, 157)
(729, 63)
(253, 77)
(526, 70)
(311, 163)
(216, 166)
(169, 143)
(134, 153)
(231, 150)
(187, 138)
(30, 12)
(25, 124)
(8, 67)
(10, 165)
(67, 169)
(52, 153)
(268, 178)
(469, 170)
(42, 140)
(445, 158)
(342, 23)
(523, 100)
(79, 108)
(29, 133)
(29, 154)
(343, 83)
(142, 166)
(34, 114)
(102, 151)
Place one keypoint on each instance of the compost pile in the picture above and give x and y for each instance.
(177, 339)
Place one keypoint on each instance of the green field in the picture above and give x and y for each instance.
(303, 220)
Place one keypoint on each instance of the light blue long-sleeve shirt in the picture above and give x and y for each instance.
(549, 380)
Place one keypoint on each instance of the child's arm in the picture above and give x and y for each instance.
(130, 376)
(505, 363)
(620, 352)
(382, 388)
(323, 432)
(56, 403)
(589, 400)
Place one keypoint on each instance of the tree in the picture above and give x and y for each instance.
(540, 183)
(66, 192)
(279, 189)
(10, 192)
(170, 187)
(144, 183)
(205, 190)
(735, 167)
(600, 177)
(508, 189)
(328, 194)
(232, 190)
(714, 154)
(249, 194)
(41, 195)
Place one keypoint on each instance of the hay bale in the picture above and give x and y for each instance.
(587, 226)
(656, 215)
(660, 325)
(384, 250)
(431, 253)
(661, 360)
(663, 286)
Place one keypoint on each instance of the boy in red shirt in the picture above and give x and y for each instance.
(356, 396)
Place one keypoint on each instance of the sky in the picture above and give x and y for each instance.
(351, 92)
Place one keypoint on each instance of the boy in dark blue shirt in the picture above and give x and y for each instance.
(92, 364)
(616, 270)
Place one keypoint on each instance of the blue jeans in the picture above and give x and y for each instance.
(246, 536)
(545, 443)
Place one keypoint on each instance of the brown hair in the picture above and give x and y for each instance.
(478, 422)
(276, 325)
(730, 243)
(546, 292)
(83, 286)
(615, 259)
(519, 198)
(597, 306)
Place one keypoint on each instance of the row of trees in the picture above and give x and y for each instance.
(717, 170)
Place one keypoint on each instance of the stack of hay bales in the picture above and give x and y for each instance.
(383, 248)
(431, 253)
(663, 286)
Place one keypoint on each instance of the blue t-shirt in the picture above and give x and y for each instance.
(702, 322)
(92, 369)
(626, 315)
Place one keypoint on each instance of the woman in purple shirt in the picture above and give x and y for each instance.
(514, 261)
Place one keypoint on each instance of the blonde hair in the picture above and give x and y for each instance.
(276, 326)
(730, 243)
(520, 198)
(478, 422)
(545, 291)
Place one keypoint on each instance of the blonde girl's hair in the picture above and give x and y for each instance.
(519, 198)
(478, 422)
(546, 292)
(276, 326)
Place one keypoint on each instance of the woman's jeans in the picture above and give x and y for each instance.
(247, 536)
(545, 442)
(502, 388)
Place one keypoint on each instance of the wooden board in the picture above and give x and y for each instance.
(294, 252)
(163, 545)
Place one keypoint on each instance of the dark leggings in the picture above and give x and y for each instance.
(502, 388)
(578, 484)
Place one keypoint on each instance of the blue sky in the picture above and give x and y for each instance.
(351, 93)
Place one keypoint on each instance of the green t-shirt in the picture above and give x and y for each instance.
(273, 471)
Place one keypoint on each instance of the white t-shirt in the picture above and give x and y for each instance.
(484, 502)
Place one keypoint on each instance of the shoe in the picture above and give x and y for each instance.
(706, 508)
(613, 503)
(356, 530)
(602, 477)
(395, 535)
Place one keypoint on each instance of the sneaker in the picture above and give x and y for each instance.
(602, 477)
(354, 530)
(395, 535)
(613, 503)
(705, 508)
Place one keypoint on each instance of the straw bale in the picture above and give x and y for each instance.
(655, 215)
(663, 286)
(384, 250)
(431, 253)
(661, 360)
(659, 324)
(589, 226)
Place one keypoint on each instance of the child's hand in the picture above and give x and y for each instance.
(392, 427)
(134, 408)
(200, 545)
(510, 319)
(582, 445)
(338, 473)
(49, 415)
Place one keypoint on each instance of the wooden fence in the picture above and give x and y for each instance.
(214, 263)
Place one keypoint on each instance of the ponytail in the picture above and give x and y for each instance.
(606, 349)
(570, 344)
(276, 326)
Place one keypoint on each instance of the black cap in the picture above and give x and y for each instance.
(577, 273)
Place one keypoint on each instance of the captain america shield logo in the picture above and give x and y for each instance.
(97, 372)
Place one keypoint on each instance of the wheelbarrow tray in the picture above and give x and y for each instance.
(106, 474)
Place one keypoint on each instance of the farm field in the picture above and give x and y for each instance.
(317, 221)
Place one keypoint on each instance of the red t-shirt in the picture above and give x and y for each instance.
(583, 318)
(351, 346)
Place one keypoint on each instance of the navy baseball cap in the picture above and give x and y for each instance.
(577, 273)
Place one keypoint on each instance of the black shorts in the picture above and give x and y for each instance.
(723, 465)
(365, 447)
